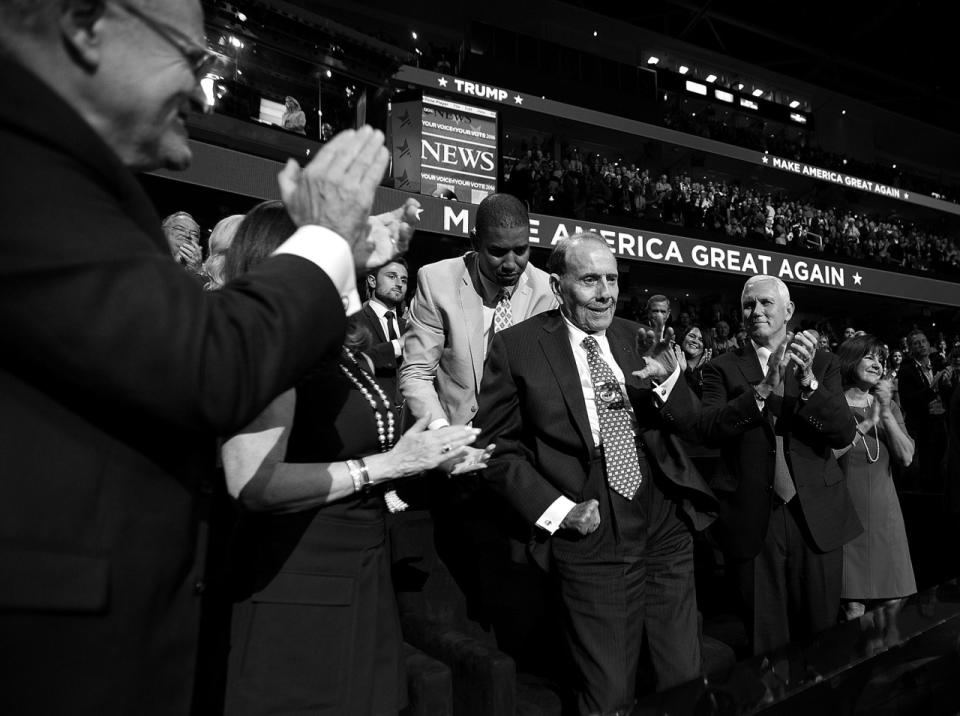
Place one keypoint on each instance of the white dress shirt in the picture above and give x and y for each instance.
(381, 310)
(551, 518)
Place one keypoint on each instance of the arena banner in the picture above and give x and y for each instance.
(456, 219)
(473, 91)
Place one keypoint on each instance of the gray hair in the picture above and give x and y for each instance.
(781, 286)
(557, 262)
(176, 215)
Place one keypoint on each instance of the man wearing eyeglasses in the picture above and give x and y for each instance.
(183, 235)
(118, 369)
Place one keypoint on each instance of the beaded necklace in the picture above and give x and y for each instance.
(385, 432)
(876, 434)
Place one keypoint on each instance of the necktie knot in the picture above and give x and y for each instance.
(391, 326)
(503, 312)
(590, 345)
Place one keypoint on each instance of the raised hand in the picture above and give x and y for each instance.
(336, 188)
(801, 350)
(191, 255)
(883, 392)
(583, 517)
(389, 235)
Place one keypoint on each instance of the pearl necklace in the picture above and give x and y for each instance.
(385, 434)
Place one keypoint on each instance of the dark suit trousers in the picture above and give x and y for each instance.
(634, 573)
(791, 589)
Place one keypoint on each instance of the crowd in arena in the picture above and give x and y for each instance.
(594, 188)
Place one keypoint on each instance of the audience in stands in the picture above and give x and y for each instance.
(876, 563)
(601, 190)
(696, 345)
(183, 236)
(924, 412)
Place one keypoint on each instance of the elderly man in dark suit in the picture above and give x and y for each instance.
(586, 453)
(118, 370)
(776, 408)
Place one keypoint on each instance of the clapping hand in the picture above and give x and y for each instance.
(471, 459)
(662, 364)
(420, 449)
(191, 255)
(336, 189)
(389, 234)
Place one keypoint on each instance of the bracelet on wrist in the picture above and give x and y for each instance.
(359, 475)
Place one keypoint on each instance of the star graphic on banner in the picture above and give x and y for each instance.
(518, 99)
(765, 159)
(442, 81)
(857, 278)
(906, 195)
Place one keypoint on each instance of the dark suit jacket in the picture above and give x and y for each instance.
(532, 407)
(116, 374)
(731, 419)
(915, 396)
(385, 362)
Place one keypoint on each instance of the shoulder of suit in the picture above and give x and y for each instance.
(445, 267)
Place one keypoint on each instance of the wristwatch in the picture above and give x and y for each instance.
(805, 392)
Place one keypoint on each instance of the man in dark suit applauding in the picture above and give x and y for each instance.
(118, 370)
(586, 454)
(776, 408)
(382, 314)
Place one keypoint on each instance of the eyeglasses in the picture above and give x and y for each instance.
(192, 233)
(200, 59)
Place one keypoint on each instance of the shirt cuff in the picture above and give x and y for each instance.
(550, 520)
(663, 390)
(330, 253)
(438, 423)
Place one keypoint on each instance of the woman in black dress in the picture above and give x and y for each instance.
(315, 626)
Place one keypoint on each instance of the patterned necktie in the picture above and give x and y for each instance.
(502, 314)
(616, 430)
(391, 331)
(782, 480)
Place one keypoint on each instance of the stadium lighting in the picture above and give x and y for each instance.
(711, 78)
(723, 96)
(414, 35)
(794, 104)
(740, 86)
(748, 103)
(652, 60)
(684, 69)
(798, 118)
(595, 33)
(241, 17)
(757, 92)
(843, 111)
(696, 88)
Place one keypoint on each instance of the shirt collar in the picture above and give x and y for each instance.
(379, 308)
(491, 290)
(577, 335)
